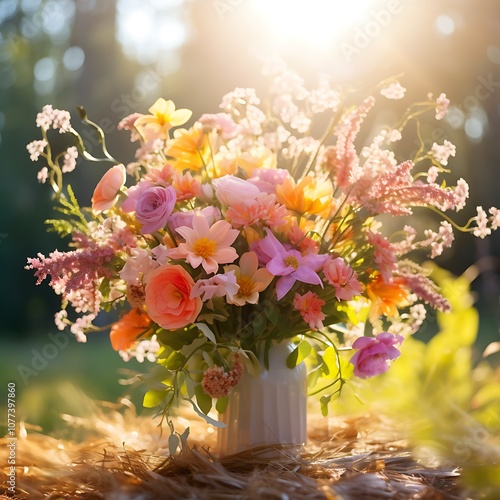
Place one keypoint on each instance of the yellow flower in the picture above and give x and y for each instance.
(307, 197)
(250, 278)
(163, 117)
(256, 157)
(189, 148)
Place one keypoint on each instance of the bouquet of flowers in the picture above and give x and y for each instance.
(249, 228)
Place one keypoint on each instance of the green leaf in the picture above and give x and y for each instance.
(298, 355)
(221, 404)
(104, 287)
(207, 332)
(251, 363)
(175, 361)
(153, 398)
(177, 339)
(324, 401)
(330, 362)
(205, 417)
(203, 400)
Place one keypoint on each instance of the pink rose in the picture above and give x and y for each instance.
(231, 190)
(374, 354)
(154, 206)
(168, 297)
(133, 195)
(106, 192)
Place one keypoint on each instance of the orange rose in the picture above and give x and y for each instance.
(106, 191)
(128, 328)
(168, 297)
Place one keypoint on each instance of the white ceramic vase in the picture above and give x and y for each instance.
(267, 409)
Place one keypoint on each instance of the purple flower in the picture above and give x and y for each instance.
(375, 354)
(133, 195)
(154, 206)
(290, 264)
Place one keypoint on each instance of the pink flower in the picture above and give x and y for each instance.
(375, 354)
(310, 306)
(263, 209)
(217, 383)
(168, 297)
(266, 179)
(36, 148)
(55, 118)
(343, 278)
(231, 190)
(219, 285)
(206, 245)
(133, 195)
(154, 206)
(291, 265)
(393, 91)
(179, 219)
(107, 190)
(222, 122)
(385, 255)
(442, 103)
(441, 153)
(185, 186)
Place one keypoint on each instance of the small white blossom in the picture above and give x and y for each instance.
(393, 91)
(36, 148)
(441, 153)
(482, 230)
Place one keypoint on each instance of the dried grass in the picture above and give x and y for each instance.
(357, 458)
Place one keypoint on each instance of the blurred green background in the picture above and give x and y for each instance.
(116, 57)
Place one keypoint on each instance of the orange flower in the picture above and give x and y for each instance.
(306, 197)
(186, 186)
(126, 330)
(107, 189)
(189, 148)
(163, 117)
(386, 297)
(168, 298)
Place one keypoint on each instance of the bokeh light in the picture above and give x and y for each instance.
(148, 29)
(316, 23)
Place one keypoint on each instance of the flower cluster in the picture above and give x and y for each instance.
(245, 229)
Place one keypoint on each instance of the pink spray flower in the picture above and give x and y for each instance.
(309, 305)
(343, 278)
(375, 354)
